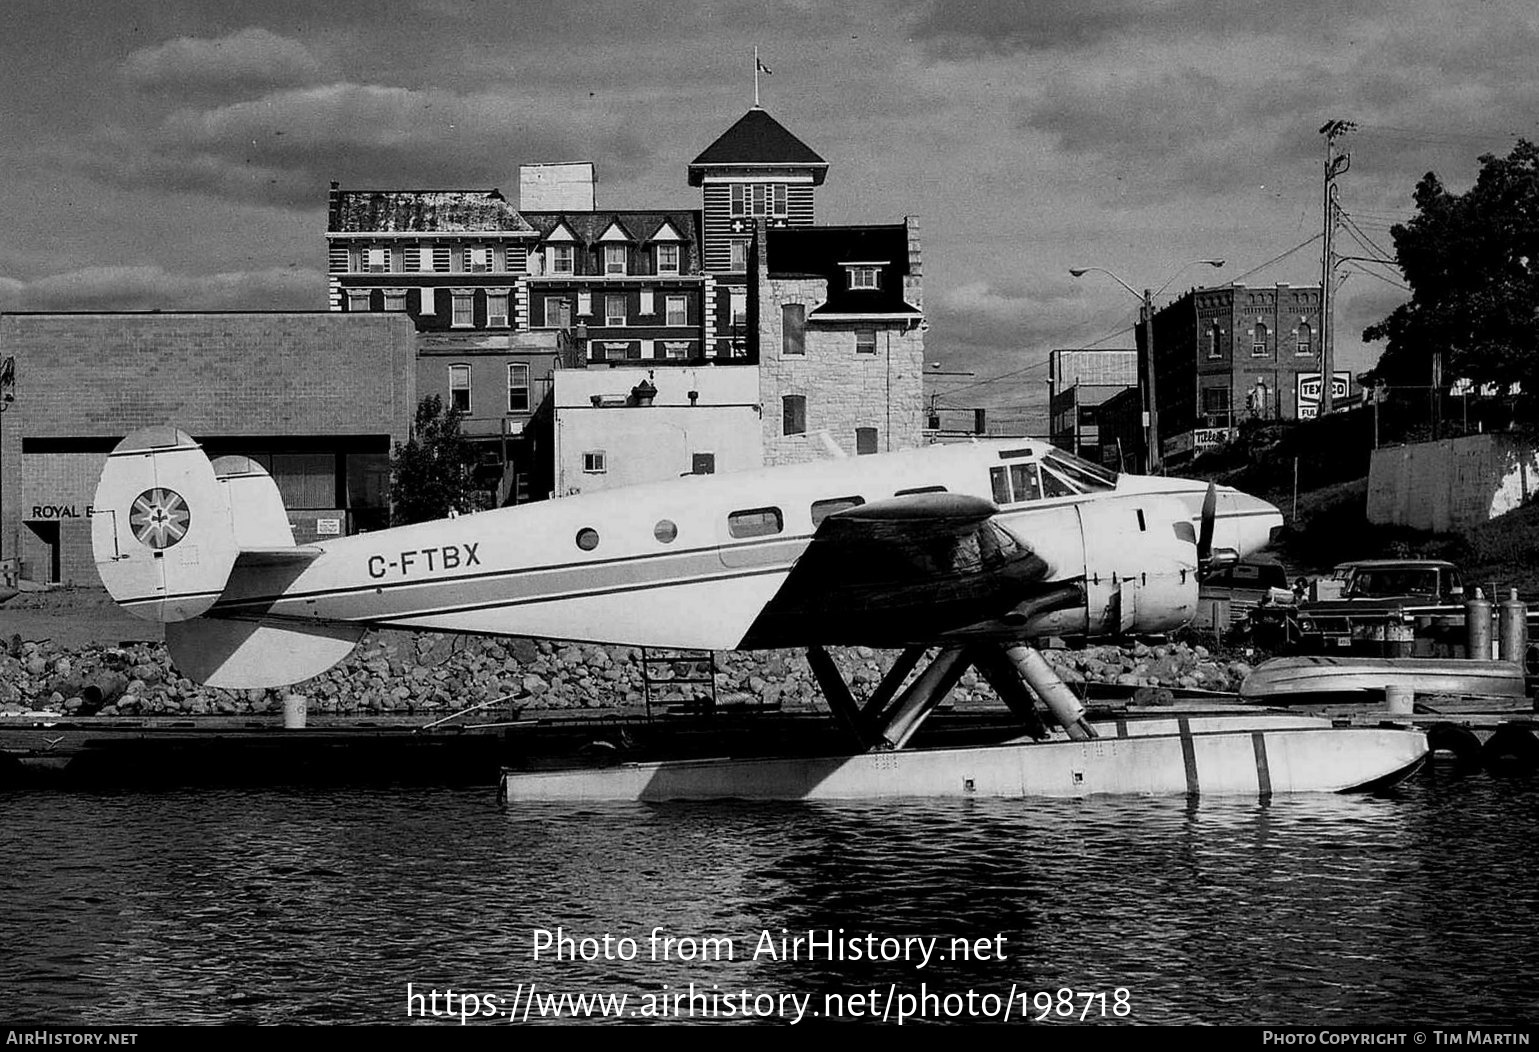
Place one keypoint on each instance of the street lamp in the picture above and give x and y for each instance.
(1151, 408)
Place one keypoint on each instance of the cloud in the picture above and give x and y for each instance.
(152, 288)
(247, 60)
(284, 147)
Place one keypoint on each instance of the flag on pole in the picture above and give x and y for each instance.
(762, 67)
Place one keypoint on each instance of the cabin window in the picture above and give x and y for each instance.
(822, 509)
(665, 531)
(755, 522)
(587, 538)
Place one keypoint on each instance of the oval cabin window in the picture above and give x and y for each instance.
(665, 531)
(587, 538)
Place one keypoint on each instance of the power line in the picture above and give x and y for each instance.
(1279, 258)
(1375, 274)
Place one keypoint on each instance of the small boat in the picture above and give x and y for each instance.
(1281, 681)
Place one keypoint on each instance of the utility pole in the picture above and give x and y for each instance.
(1152, 415)
(1335, 164)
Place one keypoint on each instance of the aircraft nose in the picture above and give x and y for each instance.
(1253, 522)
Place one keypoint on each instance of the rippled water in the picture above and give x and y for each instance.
(276, 906)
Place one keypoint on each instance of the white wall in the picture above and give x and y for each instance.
(651, 443)
(1452, 484)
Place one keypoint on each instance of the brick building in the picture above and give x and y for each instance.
(1079, 381)
(317, 398)
(1230, 353)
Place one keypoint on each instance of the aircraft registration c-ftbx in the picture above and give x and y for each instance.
(976, 549)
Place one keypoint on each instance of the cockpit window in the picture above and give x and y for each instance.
(1053, 486)
(1017, 483)
(1084, 475)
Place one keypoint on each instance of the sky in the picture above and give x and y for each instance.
(176, 154)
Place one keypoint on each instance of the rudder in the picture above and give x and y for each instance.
(161, 529)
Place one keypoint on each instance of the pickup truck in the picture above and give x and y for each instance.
(1415, 602)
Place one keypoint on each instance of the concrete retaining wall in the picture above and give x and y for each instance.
(1452, 484)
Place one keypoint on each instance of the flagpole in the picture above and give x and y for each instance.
(756, 76)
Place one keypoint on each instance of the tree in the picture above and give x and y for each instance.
(1472, 261)
(430, 475)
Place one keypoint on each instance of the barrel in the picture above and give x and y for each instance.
(294, 706)
(1401, 698)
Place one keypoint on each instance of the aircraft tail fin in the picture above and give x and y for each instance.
(168, 528)
(161, 526)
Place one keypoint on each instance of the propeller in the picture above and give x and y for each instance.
(1205, 530)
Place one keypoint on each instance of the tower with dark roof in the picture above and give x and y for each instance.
(754, 170)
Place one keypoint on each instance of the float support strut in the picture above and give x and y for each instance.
(840, 701)
(903, 717)
(1059, 699)
(1001, 674)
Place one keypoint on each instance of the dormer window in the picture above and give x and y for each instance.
(614, 259)
(865, 276)
(559, 259)
(478, 258)
(667, 259)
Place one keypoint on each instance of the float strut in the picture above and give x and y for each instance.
(903, 717)
(891, 682)
(1001, 674)
(1059, 699)
(840, 701)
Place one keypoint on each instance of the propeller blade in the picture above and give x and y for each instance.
(1205, 532)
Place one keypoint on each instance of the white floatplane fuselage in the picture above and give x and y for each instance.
(976, 548)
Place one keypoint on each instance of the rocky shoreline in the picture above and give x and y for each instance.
(404, 673)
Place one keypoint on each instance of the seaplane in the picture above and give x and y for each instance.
(957, 556)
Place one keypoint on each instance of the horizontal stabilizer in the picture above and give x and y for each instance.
(252, 557)
(240, 655)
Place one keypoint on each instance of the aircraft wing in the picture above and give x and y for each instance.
(913, 569)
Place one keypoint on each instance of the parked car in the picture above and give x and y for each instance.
(1382, 601)
(1245, 585)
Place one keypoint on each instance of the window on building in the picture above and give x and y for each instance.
(739, 260)
(478, 258)
(464, 309)
(675, 349)
(594, 462)
(614, 259)
(738, 306)
(1215, 404)
(497, 308)
(424, 257)
(677, 311)
(558, 312)
(395, 299)
(702, 464)
(865, 440)
(647, 306)
(1215, 346)
(357, 299)
(865, 277)
(518, 388)
(755, 522)
(1258, 345)
(378, 260)
(614, 310)
(441, 258)
(865, 341)
(1306, 340)
(459, 388)
(793, 412)
(759, 199)
(558, 259)
(793, 328)
(584, 303)
(667, 259)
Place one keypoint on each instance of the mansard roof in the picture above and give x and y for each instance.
(757, 140)
(827, 251)
(424, 211)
